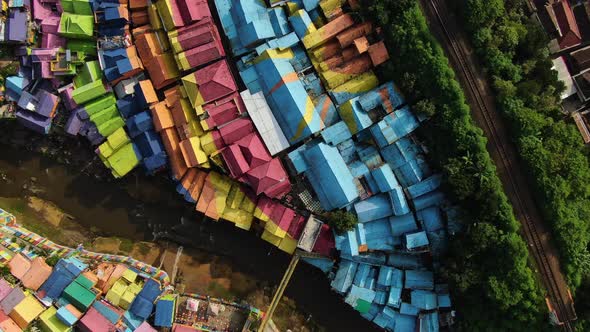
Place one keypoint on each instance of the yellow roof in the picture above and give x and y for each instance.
(129, 275)
(26, 311)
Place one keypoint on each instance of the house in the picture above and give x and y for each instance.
(37, 274)
(76, 26)
(17, 27)
(50, 321)
(562, 16)
(209, 84)
(165, 311)
(93, 321)
(26, 311)
(327, 172)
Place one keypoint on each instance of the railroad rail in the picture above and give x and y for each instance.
(559, 298)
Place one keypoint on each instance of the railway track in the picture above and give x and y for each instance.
(560, 300)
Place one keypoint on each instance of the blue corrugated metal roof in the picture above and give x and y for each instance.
(425, 186)
(431, 219)
(395, 297)
(431, 199)
(408, 309)
(344, 277)
(131, 320)
(337, 134)
(398, 202)
(378, 235)
(429, 322)
(385, 178)
(66, 317)
(300, 21)
(141, 307)
(323, 264)
(405, 261)
(444, 300)
(362, 272)
(419, 279)
(164, 313)
(329, 176)
(401, 225)
(151, 290)
(405, 323)
(416, 240)
(374, 208)
(423, 299)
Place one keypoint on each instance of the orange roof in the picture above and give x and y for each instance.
(347, 37)
(37, 274)
(148, 47)
(140, 17)
(135, 4)
(148, 91)
(378, 53)
(361, 44)
(19, 265)
(138, 31)
(74, 311)
(9, 325)
(113, 277)
(171, 143)
(162, 70)
(162, 117)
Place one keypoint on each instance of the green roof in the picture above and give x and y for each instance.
(82, 280)
(88, 92)
(89, 72)
(100, 103)
(76, 26)
(82, 7)
(104, 115)
(123, 160)
(67, 5)
(86, 46)
(50, 322)
(110, 126)
(362, 306)
(79, 296)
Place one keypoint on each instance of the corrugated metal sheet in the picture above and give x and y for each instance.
(265, 122)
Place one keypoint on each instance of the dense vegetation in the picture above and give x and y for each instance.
(513, 50)
(341, 221)
(492, 284)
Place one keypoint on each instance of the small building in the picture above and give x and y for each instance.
(50, 322)
(12, 299)
(19, 265)
(37, 274)
(93, 321)
(26, 311)
(562, 17)
(165, 311)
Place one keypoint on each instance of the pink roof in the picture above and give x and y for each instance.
(41, 11)
(203, 54)
(51, 40)
(215, 81)
(286, 219)
(266, 205)
(235, 130)
(254, 150)
(183, 328)
(264, 177)
(193, 10)
(5, 288)
(235, 161)
(93, 321)
(145, 327)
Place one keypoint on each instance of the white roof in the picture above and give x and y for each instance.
(265, 122)
(564, 75)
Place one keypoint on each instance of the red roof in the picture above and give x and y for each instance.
(235, 161)
(254, 150)
(203, 54)
(287, 219)
(215, 81)
(235, 130)
(570, 34)
(297, 227)
(197, 34)
(267, 178)
(325, 243)
(221, 114)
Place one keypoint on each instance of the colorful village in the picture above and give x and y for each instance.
(57, 289)
(265, 115)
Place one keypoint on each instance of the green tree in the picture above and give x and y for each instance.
(341, 221)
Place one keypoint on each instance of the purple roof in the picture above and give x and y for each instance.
(16, 30)
(41, 11)
(5, 288)
(47, 103)
(33, 121)
(14, 297)
(50, 24)
(66, 96)
(74, 123)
